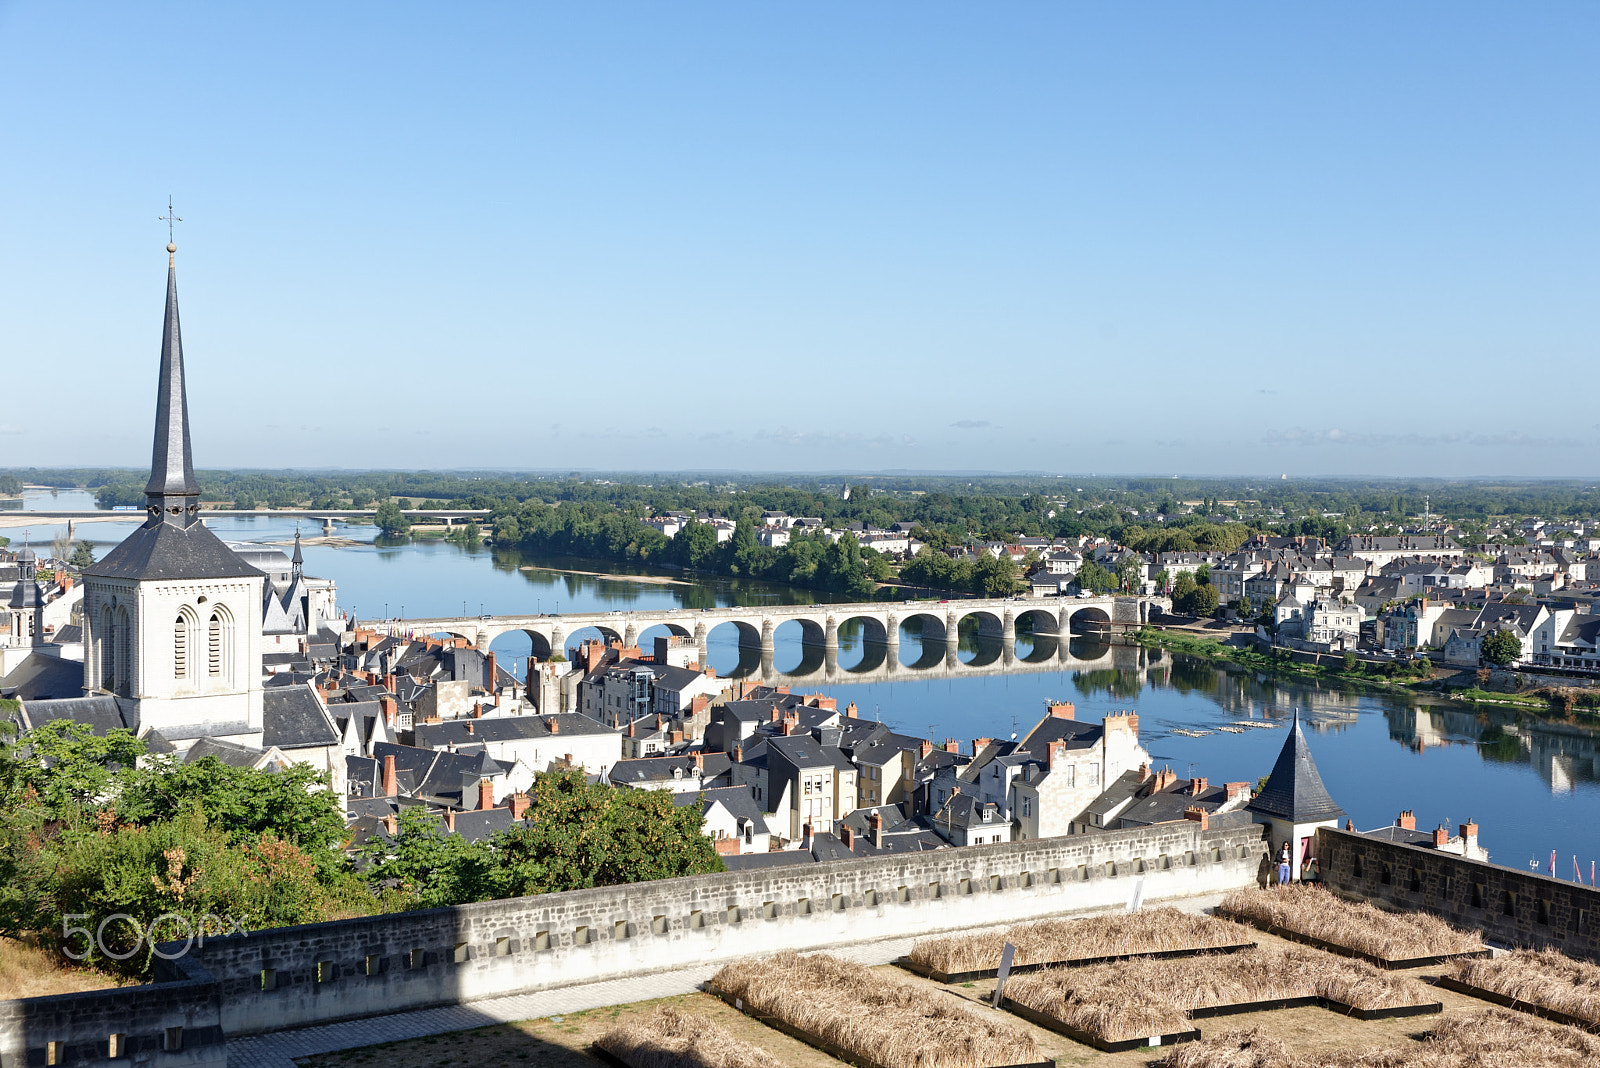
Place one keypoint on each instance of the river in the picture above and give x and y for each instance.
(1531, 787)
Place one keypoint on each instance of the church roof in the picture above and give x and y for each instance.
(167, 551)
(1294, 790)
(171, 464)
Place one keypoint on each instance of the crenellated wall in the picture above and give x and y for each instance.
(296, 976)
(1511, 907)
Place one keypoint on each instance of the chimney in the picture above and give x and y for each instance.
(469, 727)
(675, 738)
(805, 835)
(477, 710)
(728, 846)
(450, 820)
(1349, 825)
(927, 748)
(738, 752)
(1198, 786)
(1237, 790)
(783, 689)
(1057, 751)
(553, 725)
(700, 761)
(978, 744)
(391, 788)
(777, 713)
(1441, 837)
(485, 794)
(630, 729)
(952, 746)
(519, 805)
(1198, 815)
(1469, 838)
(847, 836)
(1063, 710)
(493, 673)
(876, 821)
(850, 710)
(391, 824)
(1406, 821)
(389, 682)
(699, 704)
(388, 705)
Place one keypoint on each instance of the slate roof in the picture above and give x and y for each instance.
(504, 729)
(100, 712)
(293, 718)
(1294, 790)
(165, 551)
(231, 753)
(41, 676)
(661, 768)
(738, 800)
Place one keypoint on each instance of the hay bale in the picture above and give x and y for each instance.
(1542, 977)
(1310, 910)
(875, 1016)
(1144, 996)
(1160, 930)
(1491, 1039)
(672, 1038)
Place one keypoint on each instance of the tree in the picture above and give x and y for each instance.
(390, 519)
(994, 576)
(1128, 573)
(1094, 578)
(1501, 648)
(82, 555)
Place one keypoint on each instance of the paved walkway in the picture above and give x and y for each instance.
(279, 1049)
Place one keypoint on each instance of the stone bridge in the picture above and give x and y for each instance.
(1051, 620)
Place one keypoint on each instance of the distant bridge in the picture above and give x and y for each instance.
(326, 516)
(1054, 618)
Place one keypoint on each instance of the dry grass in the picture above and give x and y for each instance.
(1313, 911)
(26, 971)
(1540, 977)
(1143, 997)
(874, 1016)
(672, 1038)
(1114, 935)
(1491, 1039)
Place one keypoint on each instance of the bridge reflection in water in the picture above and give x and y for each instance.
(859, 658)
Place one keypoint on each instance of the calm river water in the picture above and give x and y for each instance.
(1531, 787)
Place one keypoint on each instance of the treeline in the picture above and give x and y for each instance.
(94, 827)
(601, 531)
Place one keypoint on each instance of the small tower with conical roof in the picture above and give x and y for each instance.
(172, 616)
(1294, 803)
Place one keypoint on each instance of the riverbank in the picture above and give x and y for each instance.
(1424, 679)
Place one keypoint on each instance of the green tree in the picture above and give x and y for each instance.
(1093, 578)
(994, 576)
(82, 555)
(390, 519)
(1501, 648)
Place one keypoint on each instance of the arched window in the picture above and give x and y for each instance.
(105, 664)
(219, 646)
(122, 638)
(182, 643)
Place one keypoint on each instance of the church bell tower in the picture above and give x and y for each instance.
(172, 615)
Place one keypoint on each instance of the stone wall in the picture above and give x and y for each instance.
(388, 963)
(173, 1024)
(1510, 907)
(295, 976)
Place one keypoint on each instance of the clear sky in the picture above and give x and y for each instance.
(1158, 238)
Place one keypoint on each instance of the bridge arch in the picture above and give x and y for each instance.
(733, 647)
(1090, 619)
(574, 638)
(989, 622)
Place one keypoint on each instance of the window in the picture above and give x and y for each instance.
(733, 914)
(541, 940)
(373, 964)
(172, 1039)
(697, 919)
(1027, 807)
(933, 891)
(994, 881)
(269, 979)
(502, 946)
(322, 971)
(462, 953)
(54, 1051)
(902, 893)
(769, 910)
(416, 959)
(580, 936)
(620, 931)
(658, 925)
(871, 898)
(180, 646)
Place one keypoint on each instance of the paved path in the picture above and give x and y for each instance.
(278, 1050)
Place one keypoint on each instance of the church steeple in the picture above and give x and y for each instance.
(172, 496)
(297, 562)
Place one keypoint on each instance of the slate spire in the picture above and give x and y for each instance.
(172, 495)
(1294, 790)
(297, 560)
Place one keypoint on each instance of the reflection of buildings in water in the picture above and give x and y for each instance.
(1563, 756)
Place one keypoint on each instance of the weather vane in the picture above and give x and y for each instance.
(169, 218)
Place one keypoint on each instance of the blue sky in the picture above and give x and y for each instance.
(1159, 238)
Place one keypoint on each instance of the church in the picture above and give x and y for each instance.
(177, 622)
